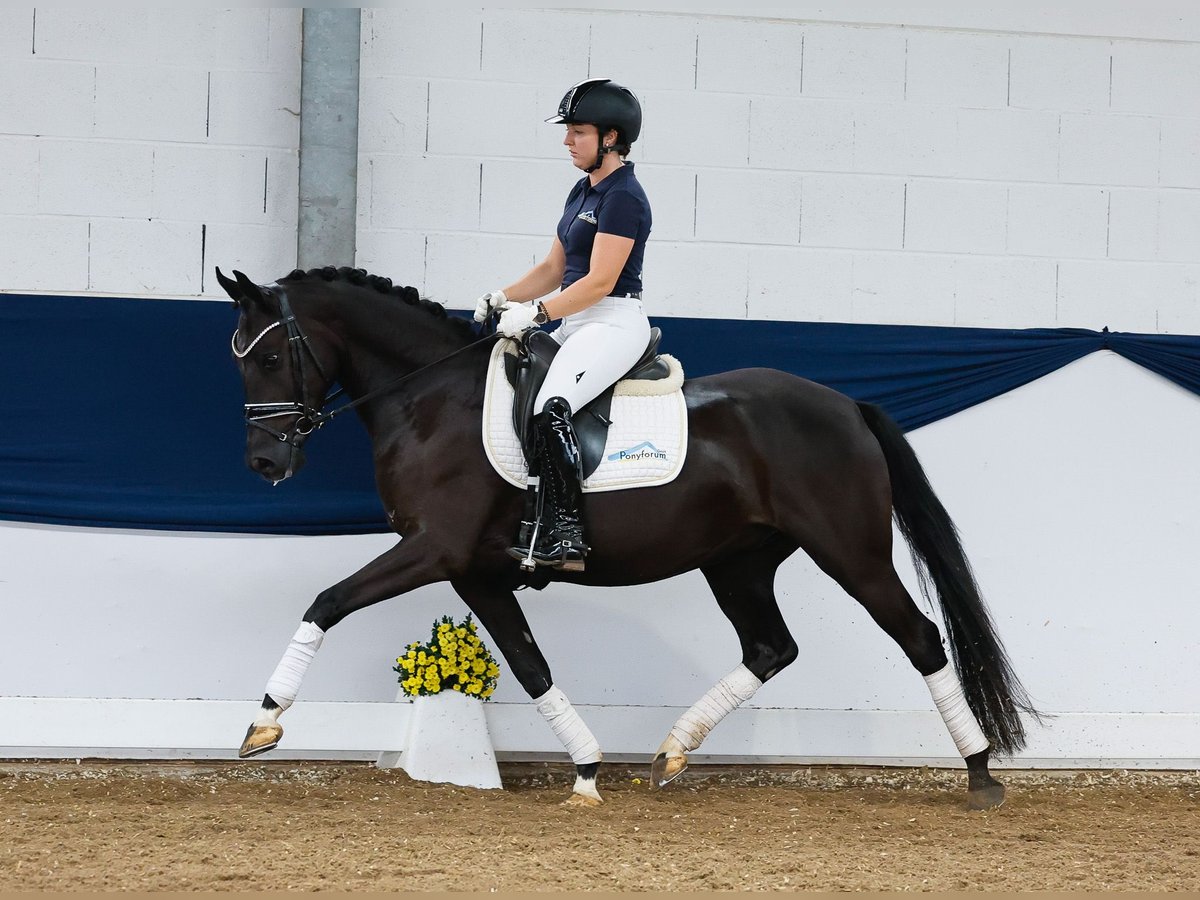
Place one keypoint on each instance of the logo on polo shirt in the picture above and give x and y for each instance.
(589, 216)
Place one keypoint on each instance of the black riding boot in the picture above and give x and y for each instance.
(559, 533)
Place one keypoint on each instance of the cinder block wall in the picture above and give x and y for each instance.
(800, 170)
(139, 147)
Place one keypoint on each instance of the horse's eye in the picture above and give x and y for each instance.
(270, 361)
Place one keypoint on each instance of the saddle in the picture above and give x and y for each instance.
(527, 370)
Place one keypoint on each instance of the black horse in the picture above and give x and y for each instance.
(775, 463)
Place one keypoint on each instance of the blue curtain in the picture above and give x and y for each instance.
(128, 413)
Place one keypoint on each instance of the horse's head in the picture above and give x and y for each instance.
(286, 373)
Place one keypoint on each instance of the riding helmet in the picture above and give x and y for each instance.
(601, 102)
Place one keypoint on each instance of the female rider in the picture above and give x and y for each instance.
(596, 260)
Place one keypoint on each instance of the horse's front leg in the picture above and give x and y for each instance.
(498, 611)
(409, 565)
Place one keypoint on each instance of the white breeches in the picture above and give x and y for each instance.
(599, 345)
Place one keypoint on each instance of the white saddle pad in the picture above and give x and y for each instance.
(647, 441)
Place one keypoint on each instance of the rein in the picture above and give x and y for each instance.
(308, 417)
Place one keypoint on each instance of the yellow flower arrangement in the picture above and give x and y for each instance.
(454, 659)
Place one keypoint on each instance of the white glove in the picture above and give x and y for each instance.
(488, 302)
(516, 320)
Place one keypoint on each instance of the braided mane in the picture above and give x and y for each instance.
(362, 277)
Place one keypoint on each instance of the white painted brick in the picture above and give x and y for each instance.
(748, 207)
(485, 118)
(286, 41)
(852, 211)
(16, 32)
(255, 108)
(256, 186)
(905, 139)
(134, 256)
(796, 284)
(810, 135)
(1124, 296)
(703, 281)
(903, 289)
(695, 129)
(264, 252)
(1156, 77)
(421, 39)
(524, 197)
(95, 178)
(19, 175)
(956, 216)
(399, 255)
(1104, 149)
(461, 267)
(956, 69)
(1179, 226)
(1179, 159)
(749, 57)
(1013, 145)
(43, 254)
(429, 193)
(392, 115)
(96, 34)
(644, 52)
(1004, 292)
(151, 103)
(43, 97)
(1059, 73)
(672, 194)
(1057, 220)
(845, 61)
(1133, 224)
(535, 46)
(240, 35)
(1180, 314)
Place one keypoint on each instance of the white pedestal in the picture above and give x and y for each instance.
(447, 741)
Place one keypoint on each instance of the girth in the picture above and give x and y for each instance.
(527, 370)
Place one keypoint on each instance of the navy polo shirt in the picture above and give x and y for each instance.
(617, 205)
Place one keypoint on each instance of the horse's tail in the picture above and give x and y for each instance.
(992, 689)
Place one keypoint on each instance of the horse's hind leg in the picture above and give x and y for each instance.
(873, 582)
(744, 588)
(498, 611)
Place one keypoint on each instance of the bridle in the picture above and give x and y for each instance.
(308, 417)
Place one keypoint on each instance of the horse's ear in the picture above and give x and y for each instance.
(249, 291)
(229, 285)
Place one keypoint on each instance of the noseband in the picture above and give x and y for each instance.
(307, 416)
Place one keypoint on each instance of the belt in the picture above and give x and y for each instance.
(636, 295)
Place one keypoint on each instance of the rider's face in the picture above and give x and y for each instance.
(583, 142)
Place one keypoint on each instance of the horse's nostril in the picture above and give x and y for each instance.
(262, 465)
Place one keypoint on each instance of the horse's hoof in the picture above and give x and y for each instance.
(990, 797)
(260, 739)
(666, 769)
(582, 800)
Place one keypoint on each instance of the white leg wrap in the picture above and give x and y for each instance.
(947, 693)
(725, 696)
(566, 724)
(284, 684)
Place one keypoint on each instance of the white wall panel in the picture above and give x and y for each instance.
(651, 52)
(884, 284)
(398, 120)
(264, 252)
(698, 280)
(905, 139)
(1059, 73)
(1008, 144)
(44, 253)
(811, 135)
(1179, 155)
(1102, 149)
(953, 69)
(956, 216)
(151, 103)
(1124, 296)
(535, 46)
(859, 63)
(749, 57)
(748, 207)
(429, 192)
(524, 197)
(1179, 226)
(482, 118)
(19, 175)
(82, 177)
(257, 108)
(16, 31)
(795, 283)
(1004, 292)
(1057, 220)
(1133, 224)
(151, 256)
(852, 211)
(1156, 78)
(694, 129)
(46, 98)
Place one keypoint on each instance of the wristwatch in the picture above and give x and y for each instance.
(541, 317)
